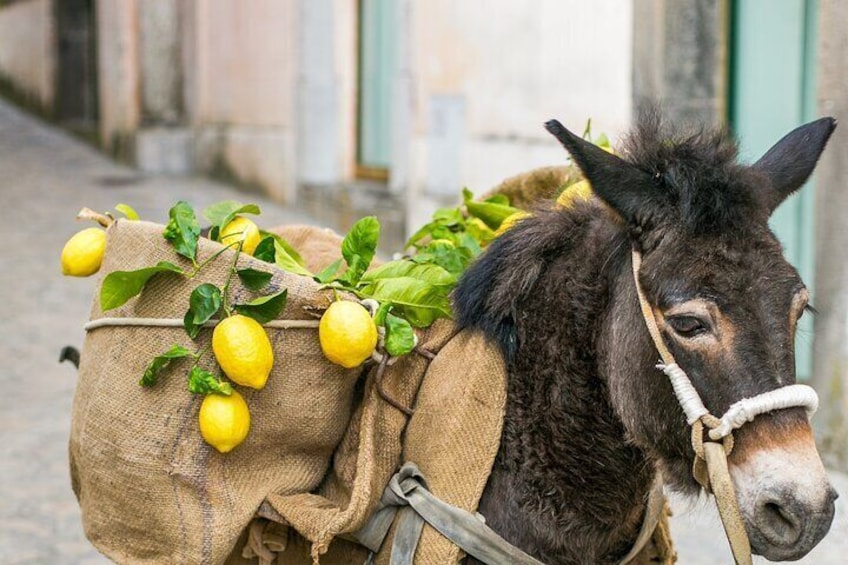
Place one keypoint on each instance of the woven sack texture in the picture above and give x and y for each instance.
(150, 489)
(455, 432)
(528, 190)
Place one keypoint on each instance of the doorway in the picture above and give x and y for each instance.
(772, 91)
(76, 71)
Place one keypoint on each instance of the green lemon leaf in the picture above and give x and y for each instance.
(421, 303)
(204, 302)
(356, 267)
(421, 234)
(498, 199)
(400, 338)
(265, 308)
(382, 312)
(151, 373)
(254, 279)
(328, 273)
(222, 213)
(359, 247)
(587, 133)
(452, 259)
(491, 213)
(480, 232)
(284, 260)
(201, 381)
(182, 230)
(469, 245)
(189, 326)
(265, 251)
(120, 286)
(430, 273)
(127, 211)
(285, 245)
(448, 216)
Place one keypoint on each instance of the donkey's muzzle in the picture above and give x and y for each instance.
(783, 490)
(786, 527)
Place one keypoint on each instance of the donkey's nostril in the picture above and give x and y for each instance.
(779, 523)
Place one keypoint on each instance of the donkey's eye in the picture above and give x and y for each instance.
(687, 326)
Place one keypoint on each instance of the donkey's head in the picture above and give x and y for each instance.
(727, 304)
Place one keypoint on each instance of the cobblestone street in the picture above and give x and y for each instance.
(45, 178)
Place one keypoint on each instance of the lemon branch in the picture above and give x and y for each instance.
(225, 294)
(199, 266)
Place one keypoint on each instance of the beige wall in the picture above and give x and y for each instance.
(830, 375)
(27, 52)
(243, 90)
(118, 73)
(266, 89)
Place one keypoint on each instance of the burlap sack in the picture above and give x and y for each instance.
(455, 432)
(151, 491)
(318, 247)
(527, 190)
(365, 460)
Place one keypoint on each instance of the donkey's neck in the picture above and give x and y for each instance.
(567, 486)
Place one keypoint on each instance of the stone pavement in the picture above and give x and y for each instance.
(45, 178)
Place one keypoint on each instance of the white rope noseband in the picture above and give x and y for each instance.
(745, 410)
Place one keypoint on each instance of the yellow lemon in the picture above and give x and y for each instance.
(240, 228)
(347, 334)
(580, 190)
(510, 222)
(83, 253)
(243, 350)
(224, 420)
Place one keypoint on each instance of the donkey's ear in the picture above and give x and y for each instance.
(790, 162)
(618, 183)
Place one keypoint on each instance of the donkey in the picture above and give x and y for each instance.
(589, 420)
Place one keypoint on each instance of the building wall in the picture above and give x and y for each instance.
(118, 68)
(831, 292)
(483, 87)
(27, 50)
(243, 106)
(680, 52)
(265, 93)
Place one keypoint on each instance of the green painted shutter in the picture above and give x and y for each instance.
(377, 46)
(772, 91)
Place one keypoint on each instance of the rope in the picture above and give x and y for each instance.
(178, 323)
(728, 508)
(749, 408)
(686, 394)
(710, 465)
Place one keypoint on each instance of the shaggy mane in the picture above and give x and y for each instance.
(696, 171)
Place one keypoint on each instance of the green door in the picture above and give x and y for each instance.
(377, 51)
(772, 91)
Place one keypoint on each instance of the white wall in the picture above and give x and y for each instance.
(27, 52)
(489, 73)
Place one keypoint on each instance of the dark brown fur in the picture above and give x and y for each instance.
(589, 419)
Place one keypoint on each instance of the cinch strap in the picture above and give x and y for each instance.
(407, 495)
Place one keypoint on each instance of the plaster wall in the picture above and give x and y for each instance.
(27, 49)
